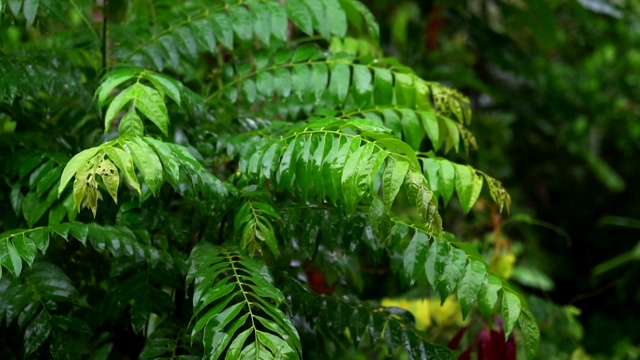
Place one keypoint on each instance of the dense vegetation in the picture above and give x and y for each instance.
(260, 179)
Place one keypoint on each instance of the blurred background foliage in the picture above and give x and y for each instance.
(554, 86)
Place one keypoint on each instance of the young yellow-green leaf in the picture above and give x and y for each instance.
(131, 124)
(111, 81)
(124, 162)
(79, 160)
(152, 105)
(511, 307)
(530, 331)
(468, 185)
(393, 178)
(117, 104)
(110, 177)
(470, 284)
(146, 161)
(488, 296)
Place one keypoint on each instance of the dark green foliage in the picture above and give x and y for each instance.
(229, 146)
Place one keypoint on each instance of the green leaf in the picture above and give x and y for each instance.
(264, 84)
(530, 331)
(336, 18)
(300, 15)
(430, 126)
(350, 175)
(151, 104)
(279, 21)
(468, 186)
(205, 36)
(146, 161)
(320, 79)
(73, 165)
(382, 87)
(488, 296)
(34, 207)
(511, 307)
(37, 332)
(223, 29)
(318, 17)
(241, 22)
(165, 84)
(411, 128)
(170, 164)
(422, 198)
(339, 83)
(131, 124)
(261, 19)
(437, 259)
(117, 104)
(25, 247)
(452, 273)
(470, 284)
(405, 91)
(111, 81)
(9, 257)
(30, 10)
(303, 166)
(40, 238)
(124, 162)
(300, 80)
(452, 139)
(415, 256)
(393, 178)
(363, 85)
(186, 42)
(447, 180)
